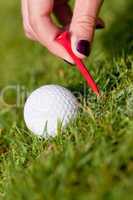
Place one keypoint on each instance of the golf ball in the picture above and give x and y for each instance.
(47, 107)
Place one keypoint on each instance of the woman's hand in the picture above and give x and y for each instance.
(38, 24)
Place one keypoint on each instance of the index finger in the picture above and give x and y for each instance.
(41, 22)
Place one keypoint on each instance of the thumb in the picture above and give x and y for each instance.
(83, 25)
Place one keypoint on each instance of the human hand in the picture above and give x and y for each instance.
(39, 26)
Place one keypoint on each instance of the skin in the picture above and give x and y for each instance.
(81, 23)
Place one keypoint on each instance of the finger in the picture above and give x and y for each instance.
(43, 26)
(63, 12)
(83, 26)
(25, 14)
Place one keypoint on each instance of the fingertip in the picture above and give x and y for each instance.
(80, 47)
(61, 52)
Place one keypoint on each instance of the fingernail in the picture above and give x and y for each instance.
(68, 62)
(83, 47)
(100, 26)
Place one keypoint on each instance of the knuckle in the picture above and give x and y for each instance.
(26, 27)
(29, 36)
(27, 33)
(86, 22)
(33, 21)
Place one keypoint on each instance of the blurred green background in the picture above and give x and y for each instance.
(93, 159)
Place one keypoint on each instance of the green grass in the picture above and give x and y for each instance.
(93, 158)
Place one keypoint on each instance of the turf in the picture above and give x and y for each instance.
(93, 158)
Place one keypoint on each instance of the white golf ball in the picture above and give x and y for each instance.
(48, 106)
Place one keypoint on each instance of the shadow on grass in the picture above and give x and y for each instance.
(78, 89)
(119, 37)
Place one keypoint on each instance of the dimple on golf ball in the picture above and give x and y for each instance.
(46, 107)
